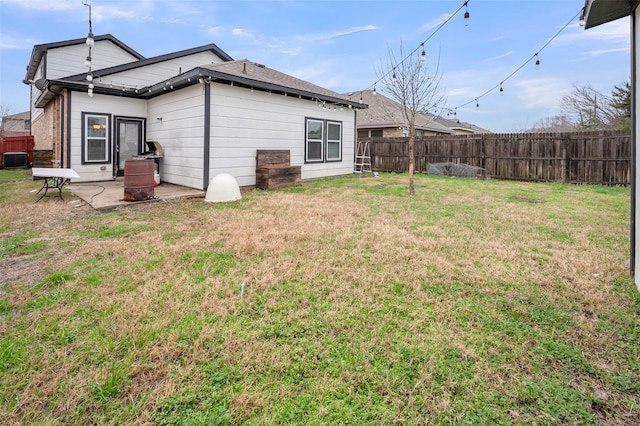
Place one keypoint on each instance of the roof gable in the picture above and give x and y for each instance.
(40, 50)
(158, 59)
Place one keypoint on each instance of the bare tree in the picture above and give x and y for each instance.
(407, 81)
(590, 109)
(4, 111)
(557, 123)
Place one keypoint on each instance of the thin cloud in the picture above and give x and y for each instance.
(336, 34)
(239, 32)
(504, 55)
(214, 31)
(8, 42)
(434, 23)
(44, 5)
(541, 92)
(616, 31)
(600, 52)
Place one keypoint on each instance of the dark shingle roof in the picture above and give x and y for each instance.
(384, 112)
(251, 74)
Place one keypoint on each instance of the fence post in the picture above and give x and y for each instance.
(567, 158)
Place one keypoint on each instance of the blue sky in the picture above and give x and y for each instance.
(343, 45)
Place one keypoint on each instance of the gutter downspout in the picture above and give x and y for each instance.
(62, 125)
(69, 93)
(207, 135)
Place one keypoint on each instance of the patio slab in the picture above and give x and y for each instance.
(110, 194)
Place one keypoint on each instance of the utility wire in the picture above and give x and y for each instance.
(534, 56)
(464, 5)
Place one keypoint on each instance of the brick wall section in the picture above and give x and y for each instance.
(46, 131)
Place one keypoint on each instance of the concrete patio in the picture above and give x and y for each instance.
(109, 195)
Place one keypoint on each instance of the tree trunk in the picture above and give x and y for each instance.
(412, 165)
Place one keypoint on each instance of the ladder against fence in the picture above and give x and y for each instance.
(363, 158)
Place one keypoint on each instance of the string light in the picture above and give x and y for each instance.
(466, 14)
(501, 90)
(534, 56)
(90, 43)
(423, 55)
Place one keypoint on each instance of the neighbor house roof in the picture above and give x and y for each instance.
(459, 126)
(40, 49)
(19, 116)
(385, 113)
(598, 12)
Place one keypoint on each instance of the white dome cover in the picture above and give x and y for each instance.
(223, 188)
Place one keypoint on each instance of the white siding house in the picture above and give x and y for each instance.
(597, 12)
(209, 113)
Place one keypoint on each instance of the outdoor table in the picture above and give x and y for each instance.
(53, 178)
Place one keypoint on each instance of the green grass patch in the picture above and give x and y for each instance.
(473, 302)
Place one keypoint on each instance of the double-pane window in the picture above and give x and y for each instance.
(95, 138)
(323, 141)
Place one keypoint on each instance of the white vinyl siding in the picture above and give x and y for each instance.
(161, 71)
(176, 121)
(244, 121)
(69, 60)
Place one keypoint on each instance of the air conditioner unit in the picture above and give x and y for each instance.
(15, 160)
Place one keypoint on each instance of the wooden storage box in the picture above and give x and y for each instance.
(274, 169)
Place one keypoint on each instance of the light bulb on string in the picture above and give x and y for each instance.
(374, 91)
(423, 55)
(466, 14)
(477, 105)
(501, 90)
(537, 62)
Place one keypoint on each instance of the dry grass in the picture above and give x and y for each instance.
(473, 302)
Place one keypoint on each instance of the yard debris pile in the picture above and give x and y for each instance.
(456, 170)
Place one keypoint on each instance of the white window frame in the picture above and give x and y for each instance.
(86, 137)
(314, 141)
(324, 141)
(334, 141)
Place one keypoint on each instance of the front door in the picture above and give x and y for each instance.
(129, 139)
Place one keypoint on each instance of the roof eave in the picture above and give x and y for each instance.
(193, 76)
(598, 12)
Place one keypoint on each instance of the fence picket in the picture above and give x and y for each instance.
(599, 157)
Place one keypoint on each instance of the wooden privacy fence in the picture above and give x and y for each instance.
(601, 157)
(16, 144)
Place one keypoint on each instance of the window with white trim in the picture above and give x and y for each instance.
(315, 141)
(95, 138)
(334, 141)
(323, 141)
